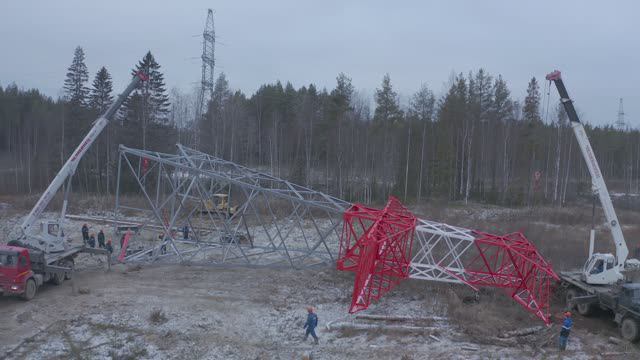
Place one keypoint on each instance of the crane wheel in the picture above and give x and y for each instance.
(29, 290)
(57, 278)
(582, 309)
(69, 264)
(630, 329)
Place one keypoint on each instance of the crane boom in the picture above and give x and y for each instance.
(69, 168)
(598, 183)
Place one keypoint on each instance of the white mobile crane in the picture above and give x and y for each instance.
(604, 279)
(41, 254)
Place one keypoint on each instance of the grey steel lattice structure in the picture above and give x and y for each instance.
(276, 223)
(208, 63)
(620, 123)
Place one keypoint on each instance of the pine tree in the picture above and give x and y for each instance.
(502, 116)
(531, 109)
(421, 109)
(148, 107)
(100, 98)
(531, 115)
(422, 104)
(341, 98)
(342, 94)
(502, 105)
(75, 87)
(211, 124)
(153, 92)
(387, 108)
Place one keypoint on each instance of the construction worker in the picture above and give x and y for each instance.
(109, 247)
(567, 324)
(85, 234)
(101, 244)
(92, 240)
(310, 325)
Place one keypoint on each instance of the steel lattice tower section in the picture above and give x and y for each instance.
(276, 223)
(208, 64)
(620, 124)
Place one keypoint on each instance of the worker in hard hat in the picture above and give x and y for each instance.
(92, 240)
(567, 324)
(101, 244)
(310, 325)
(109, 246)
(185, 232)
(85, 234)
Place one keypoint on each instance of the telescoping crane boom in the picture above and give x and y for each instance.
(56, 243)
(600, 268)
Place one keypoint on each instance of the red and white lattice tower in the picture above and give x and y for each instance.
(377, 245)
(452, 254)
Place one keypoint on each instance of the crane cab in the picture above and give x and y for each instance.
(50, 237)
(601, 269)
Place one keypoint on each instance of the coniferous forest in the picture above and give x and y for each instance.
(475, 142)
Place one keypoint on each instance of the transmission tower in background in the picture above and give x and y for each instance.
(620, 124)
(208, 63)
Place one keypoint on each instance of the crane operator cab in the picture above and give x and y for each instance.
(601, 269)
(49, 237)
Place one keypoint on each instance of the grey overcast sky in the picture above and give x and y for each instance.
(594, 43)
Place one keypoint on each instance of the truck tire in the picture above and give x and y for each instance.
(29, 290)
(630, 329)
(582, 309)
(57, 278)
(70, 264)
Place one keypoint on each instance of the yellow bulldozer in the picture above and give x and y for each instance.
(219, 204)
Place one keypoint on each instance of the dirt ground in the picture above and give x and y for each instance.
(171, 312)
(175, 312)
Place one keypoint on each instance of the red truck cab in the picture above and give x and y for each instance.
(16, 275)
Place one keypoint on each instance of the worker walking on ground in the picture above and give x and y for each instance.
(85, 234)
(101, 243)
(567, 324)
(109, 247)
(92, 240)
(310, 325)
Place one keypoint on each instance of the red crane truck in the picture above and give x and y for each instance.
(42, 254)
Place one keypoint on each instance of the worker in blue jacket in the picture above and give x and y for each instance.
(310, 325)
(567, 324)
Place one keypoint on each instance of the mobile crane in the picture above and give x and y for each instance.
(41, 254)
(605, 279)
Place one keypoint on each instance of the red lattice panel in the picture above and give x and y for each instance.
(512, 262)
(376, 244)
